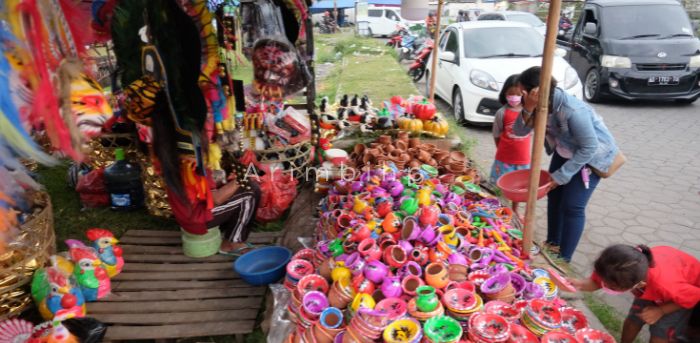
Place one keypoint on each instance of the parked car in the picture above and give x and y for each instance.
(523, 17)
(645, 49)
(476, 57)
(382, 21)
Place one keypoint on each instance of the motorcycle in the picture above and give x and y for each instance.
(410, 46)
(417, 69)
(395, 40)
(565, 25)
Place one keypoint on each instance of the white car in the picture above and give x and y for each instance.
(475, 59)
(523, 17)
(382, 21)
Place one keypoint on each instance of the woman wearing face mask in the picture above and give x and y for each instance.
(512, 151)
(664, 281)
(577, 139)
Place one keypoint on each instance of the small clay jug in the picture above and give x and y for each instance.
(424, 155)
(414, 142)
(458, 156)
(384, 139)
(359, 149)
(426, 299)
(401, 145)
(436, 275)
(414, 164)
(403, 137)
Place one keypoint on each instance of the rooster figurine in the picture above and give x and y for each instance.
(91, 276)
(110, 254)
(55, 295)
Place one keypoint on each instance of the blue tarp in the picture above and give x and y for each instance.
(385, 2)
(324, 5)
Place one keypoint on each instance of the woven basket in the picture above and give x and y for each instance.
(35, 243)
(294, 158)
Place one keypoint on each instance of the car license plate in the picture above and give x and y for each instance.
(663, 80)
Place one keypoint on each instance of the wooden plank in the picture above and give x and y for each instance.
(175, 306)
(176, 318)
(151, 240)
(175, 285)
(162, 258)
(185, 275)
(152, 249)
(177, 267)
(119, 332)
(186, 294)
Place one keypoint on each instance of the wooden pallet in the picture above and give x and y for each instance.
(163, 294)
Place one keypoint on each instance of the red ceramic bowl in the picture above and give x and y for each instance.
(572, 319)
(519, 334)
(459, 299)
(489, 327)
(514, 185)
(593, 336)
(545, 313)
(503, 309)
(558, 337)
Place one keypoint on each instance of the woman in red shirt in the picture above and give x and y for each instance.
(664, 281)
(512, 151)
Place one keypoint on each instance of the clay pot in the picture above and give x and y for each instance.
(457, 272)
(458, 156)
(369, 249)
(339, 296)
(395, 256)
(414, 164)
(391, 287)
(420, 256)
(389, 148)
(436, 275)
(410, 283)
(359, 149)
(410, 230)
(424, 156)
(401, 144)
(325, 268)
(384, 139)
(426, 300)
(376, 271)
(440, 154)
(432, 162)
(428, 147)
(386, 240)
(414, 142)
(395, 154)
(403, 136)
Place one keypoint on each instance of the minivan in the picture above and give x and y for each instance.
(635, 49)
(382, 21)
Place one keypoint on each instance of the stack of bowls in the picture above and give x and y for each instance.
(461, 304)
(488, 328)
(541, 316)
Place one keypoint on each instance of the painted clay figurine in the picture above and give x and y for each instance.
(91, 276)
(56, 296)
(110, 254)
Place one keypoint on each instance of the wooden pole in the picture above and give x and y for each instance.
(541, 122)
(433, 73)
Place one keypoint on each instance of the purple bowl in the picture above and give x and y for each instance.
(533, 291)
(355, 263)
(315, 302)
(376, 271)
(495, 283)
(498, 269)
(518, 283)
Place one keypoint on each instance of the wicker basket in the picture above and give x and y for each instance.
(294, 158)
(34, 246)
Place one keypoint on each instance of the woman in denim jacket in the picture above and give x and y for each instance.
(577, 138)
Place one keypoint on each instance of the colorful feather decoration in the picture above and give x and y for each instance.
(11, 126)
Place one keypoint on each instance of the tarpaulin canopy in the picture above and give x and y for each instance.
(325, 5)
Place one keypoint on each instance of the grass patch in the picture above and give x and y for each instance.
(608, 316)
(456, 130)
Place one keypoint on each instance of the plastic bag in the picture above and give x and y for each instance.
(282, 327)
(87, 330)
(260, 19)
(278, 192)
(92, 190)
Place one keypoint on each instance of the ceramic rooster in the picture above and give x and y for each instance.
(110, 254)
(91, 276)
(55, 295)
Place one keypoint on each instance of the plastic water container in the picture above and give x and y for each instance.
(123, 182)
(199, 246)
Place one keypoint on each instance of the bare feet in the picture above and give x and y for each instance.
(238, 247)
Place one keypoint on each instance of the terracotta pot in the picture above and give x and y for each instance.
(325, 268)
(414, 164)
(414, 142)
(384, 139)
(401, 144)
(359, 149)
(440, 154)
(410, 231)
(457, 272)
(432, 162)
(403, 136)
(395, 154)
(395, 256)
(389, 148)
(338, 297)
(436, 275)
(375, 145)
(429, 147)
(458, 156)
(410, 283)
(424, 155)
(405, 157)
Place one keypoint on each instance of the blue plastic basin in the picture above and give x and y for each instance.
(263, 266)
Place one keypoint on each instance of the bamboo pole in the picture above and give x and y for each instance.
(541, 122)
(433, 67)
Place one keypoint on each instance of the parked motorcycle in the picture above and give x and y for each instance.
(565, 25)
(410, 46)
(395, 40)
(417, 69)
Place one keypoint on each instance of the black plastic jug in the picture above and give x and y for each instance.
(123, 182)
